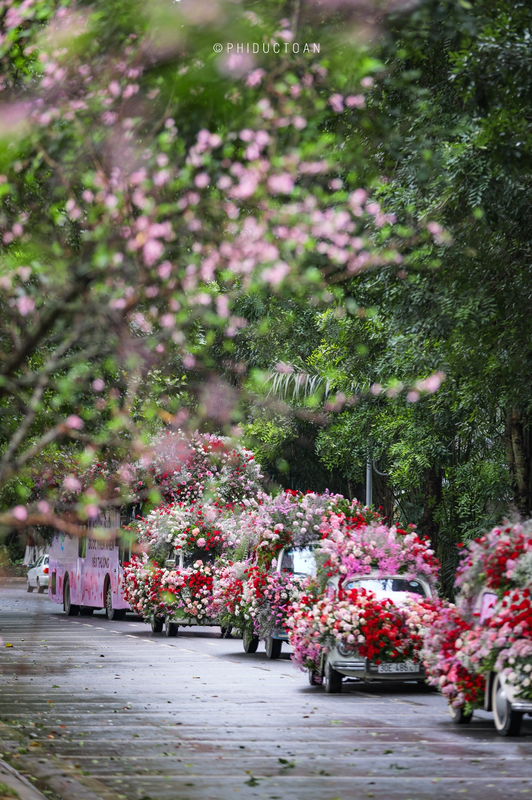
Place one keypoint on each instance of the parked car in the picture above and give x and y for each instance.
(38, 575)
(341, 661)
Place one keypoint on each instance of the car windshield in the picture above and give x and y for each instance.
(299, 561)
(394, 588)
(207, 556)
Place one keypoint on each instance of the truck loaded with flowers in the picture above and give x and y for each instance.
(171, 583)
(479, 653)
(368, 610)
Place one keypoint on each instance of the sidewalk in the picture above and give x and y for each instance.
(20, 787)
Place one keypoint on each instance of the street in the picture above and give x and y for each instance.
(92, 708)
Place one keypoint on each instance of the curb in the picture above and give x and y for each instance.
(23, 788)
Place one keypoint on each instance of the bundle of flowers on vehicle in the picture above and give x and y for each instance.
(189, 468)
(373, 628)
(500, 560)
(289, 519)
(142, 587)
(462, 648)
(350, 545)
(188, 592)
(267, 598)
(153, 591)
(227, 593)
(508, 637)
(461, 685)
(176, 527)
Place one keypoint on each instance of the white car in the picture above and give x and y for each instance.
(343, 661)
(500, 695)
(38, 575)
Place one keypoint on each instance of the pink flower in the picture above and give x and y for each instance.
(72, 484)
(25, 304)
(355, 101)
(337, 103)
(281, 184)
(152, 251)
(201, 180)
(20, 513)
(74, 422)
(255, 77)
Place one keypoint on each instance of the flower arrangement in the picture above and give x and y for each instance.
(142, 587)
(459, 685)
(227, 593)
(266, 599)
(464, 646)
(153, 591)
(265, 526)
(188, 592)
(186, 468)
(352, 545)
(373, 628)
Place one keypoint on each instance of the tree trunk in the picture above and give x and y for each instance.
(432, 490)
(518, 452)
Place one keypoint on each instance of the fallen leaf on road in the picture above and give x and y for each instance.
(8, 644)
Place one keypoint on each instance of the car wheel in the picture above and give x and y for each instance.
(40, 589)
(459, 716)
(71, 610)
(333, 679)
(226, 631)
(273, 647)
(113, 614)
(170, 628)
(315, 678)
(250, 642)
(29, 587)
(507, 721)
(157, 624)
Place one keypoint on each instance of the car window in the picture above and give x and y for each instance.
(394, 588)
(487, 606)
(46, 559)
(38, 562)
(299, 561)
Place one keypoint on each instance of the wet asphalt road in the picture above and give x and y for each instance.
(99, 709)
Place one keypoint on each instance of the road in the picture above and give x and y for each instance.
(97, 709)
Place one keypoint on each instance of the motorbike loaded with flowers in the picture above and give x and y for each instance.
(367, 612)
(479, 653)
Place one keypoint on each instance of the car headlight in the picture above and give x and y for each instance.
(346, 650)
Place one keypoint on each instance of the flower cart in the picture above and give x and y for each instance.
(479, 653)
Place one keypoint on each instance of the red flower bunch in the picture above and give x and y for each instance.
(498, 562)
(459, 685)
(515, 614)
(381, 624)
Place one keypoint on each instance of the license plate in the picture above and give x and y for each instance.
(398, 666)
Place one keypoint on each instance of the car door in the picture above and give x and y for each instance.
(32, 574)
